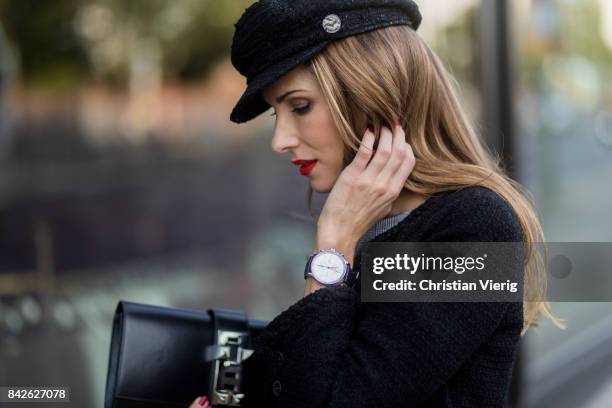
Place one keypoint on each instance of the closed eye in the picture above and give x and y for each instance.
(300, 110)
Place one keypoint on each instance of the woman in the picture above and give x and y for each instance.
(330, 70)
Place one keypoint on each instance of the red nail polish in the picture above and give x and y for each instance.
(203, 401)
(371, 129)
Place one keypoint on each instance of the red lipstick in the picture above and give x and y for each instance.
(306, 166)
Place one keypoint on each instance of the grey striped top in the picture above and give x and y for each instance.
(380, 227)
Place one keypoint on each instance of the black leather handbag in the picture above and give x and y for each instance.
(166, 357)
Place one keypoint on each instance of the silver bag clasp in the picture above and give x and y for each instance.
(227, 356)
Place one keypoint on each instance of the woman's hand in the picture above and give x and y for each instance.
(365, 190)
(201, 402)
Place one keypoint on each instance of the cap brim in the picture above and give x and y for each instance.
(251, 104)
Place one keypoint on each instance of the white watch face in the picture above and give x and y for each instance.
(327, 268)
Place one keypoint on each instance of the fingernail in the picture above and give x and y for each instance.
(371, 129)
(203, 401)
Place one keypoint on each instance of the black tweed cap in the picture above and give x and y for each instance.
(274, 36)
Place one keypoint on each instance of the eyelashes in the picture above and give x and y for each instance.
(302, 110)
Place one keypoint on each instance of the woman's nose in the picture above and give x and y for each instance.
(283, 141)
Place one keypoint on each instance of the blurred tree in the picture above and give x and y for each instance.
(67, 41)
(42, 34)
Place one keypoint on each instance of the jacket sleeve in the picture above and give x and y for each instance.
(330, 350)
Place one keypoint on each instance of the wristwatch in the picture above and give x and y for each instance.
(329, 267)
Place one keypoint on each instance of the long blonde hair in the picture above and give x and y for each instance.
(389, 75)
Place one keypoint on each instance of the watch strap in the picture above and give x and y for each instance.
(307, 268)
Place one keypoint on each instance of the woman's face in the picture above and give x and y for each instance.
(304, 128)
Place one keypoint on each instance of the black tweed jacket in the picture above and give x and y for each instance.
(331, 350)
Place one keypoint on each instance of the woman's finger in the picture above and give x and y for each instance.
(201, 402)
(398, 180)
(364, 153)
(399, 153)
(382, 154)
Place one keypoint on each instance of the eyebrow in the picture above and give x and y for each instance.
(281, 98)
